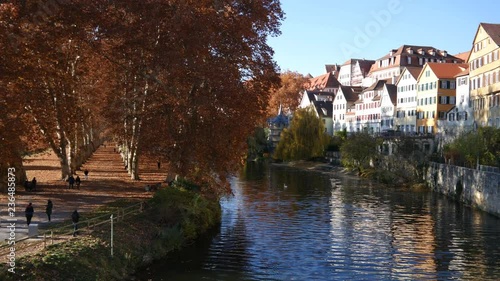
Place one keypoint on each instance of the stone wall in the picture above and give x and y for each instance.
(477, 188)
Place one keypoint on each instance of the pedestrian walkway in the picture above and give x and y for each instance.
(107, 181)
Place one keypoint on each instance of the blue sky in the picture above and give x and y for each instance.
(319, 32)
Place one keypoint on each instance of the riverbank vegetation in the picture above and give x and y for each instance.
(304, 139)
(173, 218)
(473, 148)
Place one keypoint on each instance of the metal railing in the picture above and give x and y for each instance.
(65, 232)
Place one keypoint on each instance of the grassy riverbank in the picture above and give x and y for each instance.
(173, 218)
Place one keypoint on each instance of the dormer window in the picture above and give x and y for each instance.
(410, 51)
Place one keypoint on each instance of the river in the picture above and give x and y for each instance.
(288, 224)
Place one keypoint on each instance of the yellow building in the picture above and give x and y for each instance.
(484, 67)
(436, 90)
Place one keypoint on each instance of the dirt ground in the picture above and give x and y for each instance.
(107, 181)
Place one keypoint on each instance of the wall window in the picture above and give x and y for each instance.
(451, 117)
(443, 100)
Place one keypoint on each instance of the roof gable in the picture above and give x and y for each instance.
(493, 31)
(413, 71)
(392, 91)
(350, 93)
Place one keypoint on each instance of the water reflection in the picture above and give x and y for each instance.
(286, 224)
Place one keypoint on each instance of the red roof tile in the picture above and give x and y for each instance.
(463, 56)
(321, 82)
(447, 70)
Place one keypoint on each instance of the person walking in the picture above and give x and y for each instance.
(75, 217)
(86, 173)
(71, 181)
(78, 181)
(48, 209)
(33, 184)
(29, 213)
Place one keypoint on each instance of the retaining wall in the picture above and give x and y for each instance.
(477, 188)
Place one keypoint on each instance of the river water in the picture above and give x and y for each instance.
(289, 224)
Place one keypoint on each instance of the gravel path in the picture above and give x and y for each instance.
(107, 181)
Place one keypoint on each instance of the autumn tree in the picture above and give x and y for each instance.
(304, 139)
(288, 93)
(193, 80)
(47, 53)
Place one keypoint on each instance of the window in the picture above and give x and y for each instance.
(442, 115)
(451, 117)
(452, 84)
(409, 60)
(434, 100)
(428, 72)
(443, 100)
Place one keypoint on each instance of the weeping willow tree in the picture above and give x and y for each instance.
(304, 139)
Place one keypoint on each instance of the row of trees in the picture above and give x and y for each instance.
(185, 81)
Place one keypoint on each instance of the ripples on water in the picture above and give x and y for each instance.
(311, 231)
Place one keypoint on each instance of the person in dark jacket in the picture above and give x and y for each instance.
(78, 181)
(48, 209)
(75, 217)
(29, 213)
(33, 184)
(71, 181)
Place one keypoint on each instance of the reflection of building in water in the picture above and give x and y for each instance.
(414, 246)
(366, 231)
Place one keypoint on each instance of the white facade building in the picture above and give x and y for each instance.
(343, 106)
(460, 118)
(387, 107)
(406, 110)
